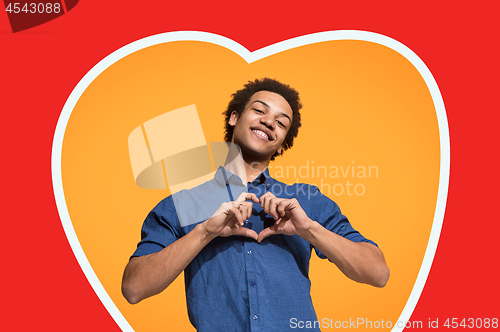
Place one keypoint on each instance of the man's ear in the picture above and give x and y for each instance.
(280, 149)
(233, 118)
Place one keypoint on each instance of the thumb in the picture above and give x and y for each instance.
(266, 232)
(247, 232)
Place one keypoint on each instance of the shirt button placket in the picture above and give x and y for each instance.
(252, 291)
(249, 253)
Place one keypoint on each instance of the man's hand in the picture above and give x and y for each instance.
(290, 218)
(362, 262)
(229, 218)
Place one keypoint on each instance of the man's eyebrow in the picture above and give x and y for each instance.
(265, 104)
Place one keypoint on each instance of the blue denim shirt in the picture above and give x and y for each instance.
(234, 283)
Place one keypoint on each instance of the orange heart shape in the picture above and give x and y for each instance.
(374, 139)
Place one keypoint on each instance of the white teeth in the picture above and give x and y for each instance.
(261, 133)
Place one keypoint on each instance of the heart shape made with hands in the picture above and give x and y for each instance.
(374, 139)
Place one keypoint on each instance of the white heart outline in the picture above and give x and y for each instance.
(250, 57)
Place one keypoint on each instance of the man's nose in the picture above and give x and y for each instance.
(268, 121)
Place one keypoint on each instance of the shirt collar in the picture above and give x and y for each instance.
(263, 177)
(225, 177)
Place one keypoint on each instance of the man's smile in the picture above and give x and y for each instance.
(262, 133)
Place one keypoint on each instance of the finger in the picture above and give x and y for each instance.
(248, 211)
(231, 219)
(241, 197)
(237, 205)
(247, 204)
(245, 209)
(247, 232)
(265, 204)
(265, 233)
(247, 196)
(240, 205)
(280, 209)
(273, 203)
(237, 215)
(263, 198)
(253, 197)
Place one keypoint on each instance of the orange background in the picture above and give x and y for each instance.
(362, 102)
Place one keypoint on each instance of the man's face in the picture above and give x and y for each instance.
(262, 127)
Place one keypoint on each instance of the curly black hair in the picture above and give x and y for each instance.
(241, 97)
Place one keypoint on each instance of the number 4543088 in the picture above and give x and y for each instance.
(471, 323)
(33, 8)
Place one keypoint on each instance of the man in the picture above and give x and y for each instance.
(246, 266)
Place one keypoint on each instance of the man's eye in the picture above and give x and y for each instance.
(280, 123)
(258, 111)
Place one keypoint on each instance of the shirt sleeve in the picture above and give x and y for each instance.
(328, 214)
(160, 228)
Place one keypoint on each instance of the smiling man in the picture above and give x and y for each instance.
(246, 266)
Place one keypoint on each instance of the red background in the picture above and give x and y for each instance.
(43, 285)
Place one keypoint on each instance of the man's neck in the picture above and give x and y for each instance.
(246, 168)
(254, 168)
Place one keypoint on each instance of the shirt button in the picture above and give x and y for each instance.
(254, 317)
(252, 283)
(249, 252)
